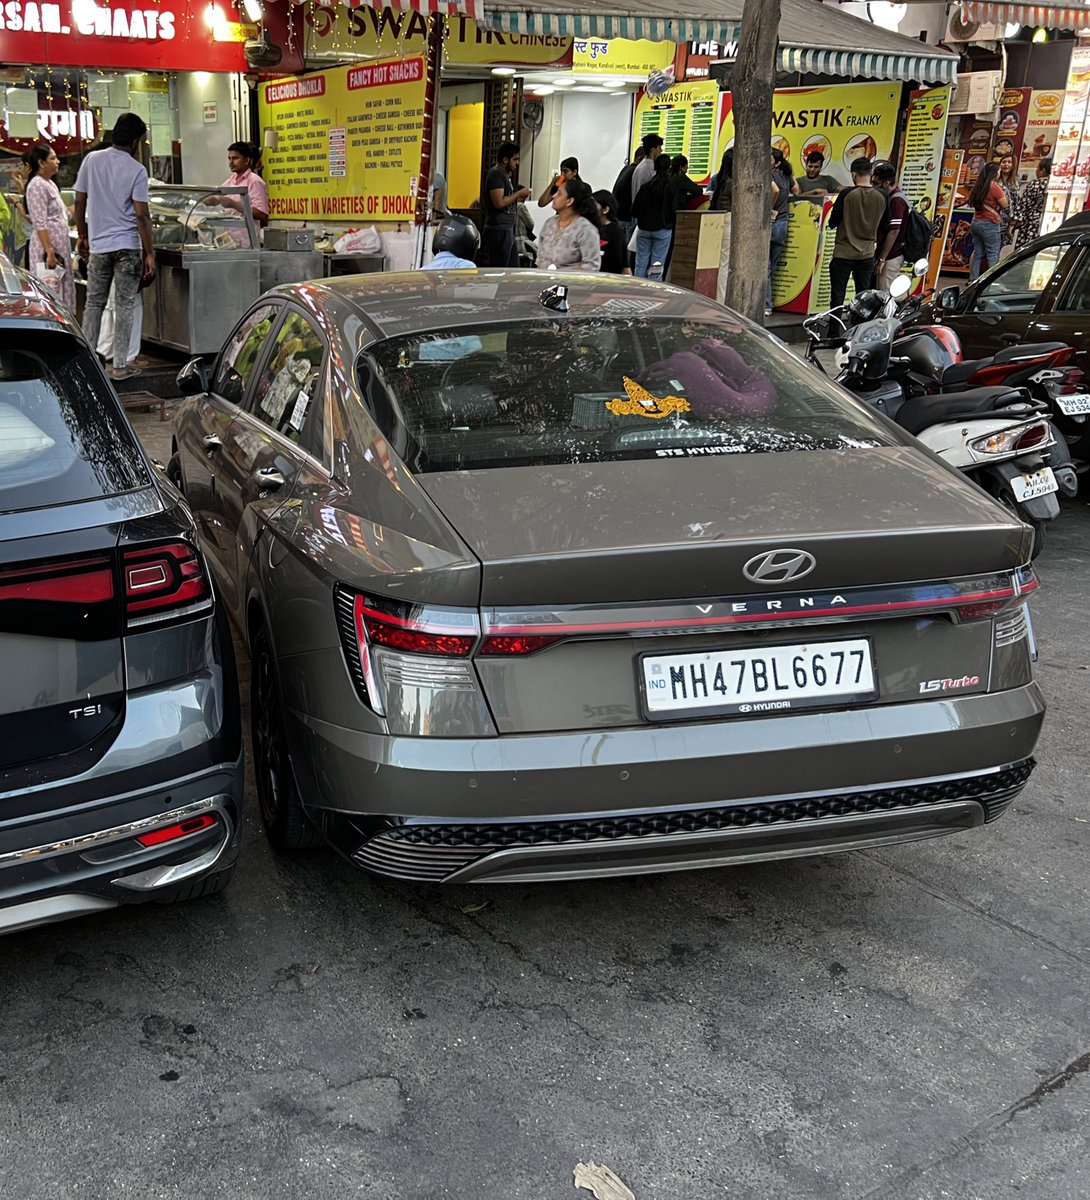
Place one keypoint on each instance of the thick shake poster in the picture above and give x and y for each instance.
(1042, 126)
(1065, 183)
(941, 249)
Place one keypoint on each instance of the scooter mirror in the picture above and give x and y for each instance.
(900, 287)
(919, 267)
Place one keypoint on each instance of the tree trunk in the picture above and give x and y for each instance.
(752, 85)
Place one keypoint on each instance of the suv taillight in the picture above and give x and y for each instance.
(159, 580)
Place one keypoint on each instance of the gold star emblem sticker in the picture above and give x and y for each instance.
(641, 403)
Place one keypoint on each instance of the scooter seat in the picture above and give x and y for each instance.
(919, 413)
(1027, 350)
(958, 374)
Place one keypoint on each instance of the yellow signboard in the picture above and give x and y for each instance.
(340, 33)
(687, 118)
(345, 143)
(619, 56)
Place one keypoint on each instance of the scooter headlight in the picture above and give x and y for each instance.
(1016, 439)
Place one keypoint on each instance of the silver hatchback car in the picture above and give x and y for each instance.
(592, 580)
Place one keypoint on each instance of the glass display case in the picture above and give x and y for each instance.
(207, 259)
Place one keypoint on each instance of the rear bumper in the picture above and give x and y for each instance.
(848, 779)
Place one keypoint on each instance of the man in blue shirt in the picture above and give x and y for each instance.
(114, 227)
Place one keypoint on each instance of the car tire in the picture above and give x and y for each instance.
(197, 889)
(286, 824)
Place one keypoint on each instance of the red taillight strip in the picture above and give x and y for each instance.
(171, 833)
(436, 628)
(566, 630)
(81, 581)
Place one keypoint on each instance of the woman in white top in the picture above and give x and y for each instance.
(51, 245)
(570, 240)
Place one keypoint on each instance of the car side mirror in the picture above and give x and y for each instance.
(949, 298)
(193, 378)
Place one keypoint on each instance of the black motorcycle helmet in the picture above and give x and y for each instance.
(867, 305)
(458, 236)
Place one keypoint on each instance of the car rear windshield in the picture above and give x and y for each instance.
(63, 437)
(570, 391)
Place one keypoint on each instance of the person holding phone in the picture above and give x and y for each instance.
(569, 169)
(114, 226)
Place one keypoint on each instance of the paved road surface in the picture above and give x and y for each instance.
(905, 1023)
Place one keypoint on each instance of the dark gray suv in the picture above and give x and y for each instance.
(121, 771)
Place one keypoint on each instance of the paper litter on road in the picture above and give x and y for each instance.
(601, 1181)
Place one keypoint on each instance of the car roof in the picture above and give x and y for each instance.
(401, 303)
(23, 300)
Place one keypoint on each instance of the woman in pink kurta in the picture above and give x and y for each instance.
(50, 242)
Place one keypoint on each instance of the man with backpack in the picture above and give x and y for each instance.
(892, 228)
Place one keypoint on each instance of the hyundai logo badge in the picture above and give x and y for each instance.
(779, 566)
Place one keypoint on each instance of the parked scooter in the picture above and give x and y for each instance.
(998, 436)
(1044, 369)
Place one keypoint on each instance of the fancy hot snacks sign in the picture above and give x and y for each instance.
(345, 143)
(857, 120)
(160, 35)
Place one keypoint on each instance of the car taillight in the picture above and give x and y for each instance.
(416, 628)
(496, 645)
(75, 581)
(171, 833)
(160, 579)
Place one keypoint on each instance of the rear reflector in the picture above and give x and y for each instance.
(161, 578)
(171, 833)
(523, 644)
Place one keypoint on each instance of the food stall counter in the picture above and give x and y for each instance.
(207, 260)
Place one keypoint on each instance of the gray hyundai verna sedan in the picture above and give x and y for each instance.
(121, 772)
(593, 580)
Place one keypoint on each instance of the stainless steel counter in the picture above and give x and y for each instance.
(198, 296)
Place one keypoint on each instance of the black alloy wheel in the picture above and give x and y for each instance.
(286, 824)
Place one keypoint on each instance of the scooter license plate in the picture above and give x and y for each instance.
(1029, 487)
(1075, 405)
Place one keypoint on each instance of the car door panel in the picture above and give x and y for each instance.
(262, 453)
(1067, 318)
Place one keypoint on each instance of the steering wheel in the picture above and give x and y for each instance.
(590, 357)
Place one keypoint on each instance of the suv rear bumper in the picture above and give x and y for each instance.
(78, 863)
(812, 782)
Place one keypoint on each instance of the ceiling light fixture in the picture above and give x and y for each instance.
(254, 11)
(567, 82)
(504, 71)
(1040, 35)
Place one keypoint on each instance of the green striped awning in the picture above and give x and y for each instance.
(861, 64)
(815, 38)
(1052, 16)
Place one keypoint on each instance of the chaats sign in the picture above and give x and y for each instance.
(345, 144)
(161, 35)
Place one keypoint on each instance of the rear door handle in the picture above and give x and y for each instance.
(212, 441)
(1010, 338)
(268, 479)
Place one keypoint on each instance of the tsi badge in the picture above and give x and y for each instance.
(88, 710)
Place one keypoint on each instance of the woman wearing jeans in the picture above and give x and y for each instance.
(653, 209)
(988, 200)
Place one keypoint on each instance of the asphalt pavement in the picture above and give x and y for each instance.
(909, 1022)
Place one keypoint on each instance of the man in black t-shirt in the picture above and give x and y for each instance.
(498, 201)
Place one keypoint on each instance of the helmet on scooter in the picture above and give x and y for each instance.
(458, 236)
(867, 305)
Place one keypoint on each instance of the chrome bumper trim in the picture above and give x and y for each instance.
(50, 909)
(117, 833)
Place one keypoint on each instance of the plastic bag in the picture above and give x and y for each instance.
(359, 241)
(50, 278)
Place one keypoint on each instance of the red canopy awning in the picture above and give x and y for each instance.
(445, 8)
(1051, 16)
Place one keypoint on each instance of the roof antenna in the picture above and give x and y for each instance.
(555, 298)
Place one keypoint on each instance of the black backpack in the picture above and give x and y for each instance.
(918, 230)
